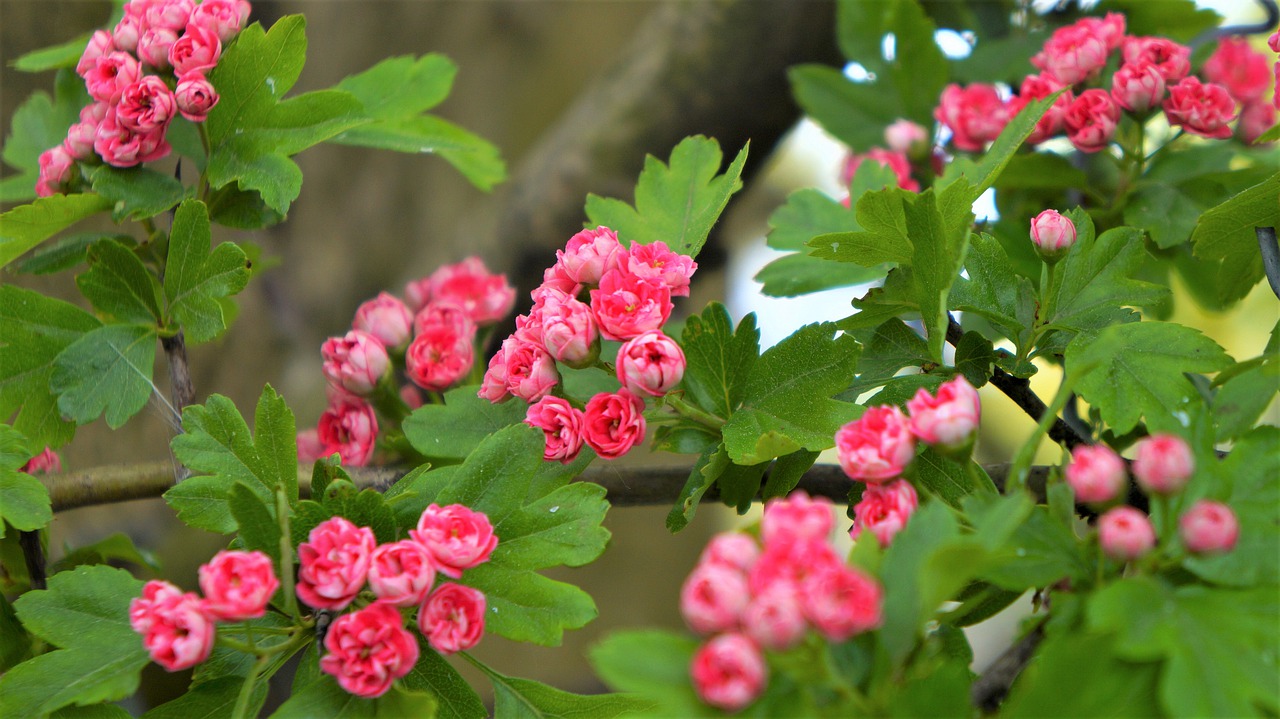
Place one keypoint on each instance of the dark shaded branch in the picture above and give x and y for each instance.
(992, 687)
(1263, 27)
(184, 392)
(1270, 256)
(33, 554)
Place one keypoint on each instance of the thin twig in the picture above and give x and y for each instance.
(184, 392)
(992, 687)
(33, 553)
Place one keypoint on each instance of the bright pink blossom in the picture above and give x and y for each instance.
(1138, 86)
(1209, 528)
(1163, 464)
(1170, 58)
(884, 510)
(224, 17)
(401, 573)
(485, 297)
(905, 136)
(841, 602)
(1255, 119)
(876, 447)
(154, 46)
(493, 386)
(368, 650)
(1075, 52)
(626, 306)
(613, 423)
(557, 277)
(774, 619)
(713, 597)
(438, 359)
(386, 318)
(1038, 87)
(790, 563)
(198, 49)
(333, 563)
(948, 419)
(1110, 28)
(796, 518)
(1243, 71)
(238, 585)
(561, 423)
(1091, 120)
(100, 43)
(1203, 109)
(590, 254)
(568, 329)
(530, 372)
(452, 618)
(176, 628)
(195, 96)
(731, 549)
(47, 462)
(119, 146)
(110, 74)
(80, 139)
(170, 14)
(1053, 234)
(350, 428)
(1125, 533)
(437, 315)
(897, 162)
(975, 115)
(729, 672)
(56, 165)
(650, 364)
(657, 263)
(146, 105)
(355, 362)
(457, 536)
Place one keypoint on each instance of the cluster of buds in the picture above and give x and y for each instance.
(149, 69)
(368, 649)
(432, 338)
(178, 627)
(597, 290)
(1153, 74)
(750, 599)
(879, 446)
(1163, 465)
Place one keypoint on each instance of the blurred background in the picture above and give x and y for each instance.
(574, 93)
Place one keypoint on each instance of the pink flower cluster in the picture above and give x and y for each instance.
(435, 332)
(369, 649)
(597, 289)
(149, 69)
(879, 446)
(751, 599)
(178, 627)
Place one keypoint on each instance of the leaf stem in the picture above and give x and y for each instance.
(246, 691)
(286, 552)
(693, 412)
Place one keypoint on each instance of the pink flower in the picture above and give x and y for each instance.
(626, 306)
(146, 105)
(948, 419)
(1203, 109)
(369, 650)
(485, 297)
(1138, 86)
(47, 462)
(493, 386)
(1075, 52)
(439, 315)
(656, 263)
(1110, 28)
(452, 618)
(417, 293)
(121, 147)
(198, 49)
(561, 423)
(650, 364)
(729, 672)
(401, 573)
(1052, 234)
(796, 518)
(613, 423)
(884, 510)
(456, 536)
(99, 44)
(1255, 119)
(556, 277)
(530, 372)
(1038, 87)
(238, 585)
(354, 362)
(1209, 528)
(1096, 473)
(386, 318)
(224, 17)
(350, 428)
(169, 14)
(1091, 120)
(590, 254)
(176, 629)
(310, 448)
(438, 359)
(110, 74)
(79, 141)
(1163, 464)
(876, 447)
(56, 165)
(333, 563)
(712, 598)
(731, 549)
(195, 96)
(154, 47)
(841, 602)
(790, 563)
(125, 34)
(1125, 533)
(568, 329)
(1171, 59)
(1273, 42)
(411, 396)
(774, 619)
(895, 161)
(1239, 68)
(975, 115)
(905, 136)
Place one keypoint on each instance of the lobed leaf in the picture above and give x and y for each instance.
(105, 372)
(719, 358)
(26, 226)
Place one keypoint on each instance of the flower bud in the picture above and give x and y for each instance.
(729, 672)
(884, 510)
(1091, 120)
(949, 419)
(650, 364)
(1163, 464)
(613, 423)
(774, 619)
(906, 137)
(355, 362)
(1052, 234)
(876, 447)
(456, 536)
(386, 318)
(401, 573)
(1096, 473)
(561, 423)
(713, 598)
(238, 585)
(1137, 87)
(452, 618)
(796, 518)
(1125, 533)
(1209, 527)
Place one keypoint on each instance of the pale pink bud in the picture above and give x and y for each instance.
(80, 139)
(1137, 87)
(590, 254)
(485, 297)
(494, 385)
(154, 46)
(457, 536)
(561, 423)
(948, 419)
(1209, 528)
(47, 462)
(452, 618)
(350, 428)
(1203, 109)
(55, 171)
(401, 573)
(1243, 71)
(975, 115)
(556, 277)
(613, 423)
(796, 518)
(238, 585)
(125, 35)
(876, 447)
(110, 74)
(884, 510)
(354, 362)
(333, 563)
(1163, 464)
(1096, 473)
(1074, 53)
(712, 598)
(657, 263)
(368, 650)
(841, 602)
(442, 315)
(895, 161)
(731, 549)
(1125, 533)
(146, 105)
(905, 136)
(774, 619)
(386, 318)
(568, 329)
(198, 49)
(417, 293)
(1053, 234)
(1091, 120)
(411, 396)
(626, 306)
(650, 364)
(99, 44)
(176, 629)
(224, 17)
(729, 672)
(438, 359)
(170, 14)
(195, 96)
(1171, 59)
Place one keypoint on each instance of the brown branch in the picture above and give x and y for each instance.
(993, 686)
(184, 392)
(33, 554)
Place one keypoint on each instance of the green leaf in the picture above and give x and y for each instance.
(883, 237)
(1242, 399)
(38, 124)
(108, 370)
(243, 210)
(26, 226)
(988, 169)
(401, 86)
(676, 203)
(324, 698)
(255, 519)
(454, 429)
(562, 527)
(740, 484)
(527, 607)
(365, 508)
(15, 642)
(942, 477)
(1041, 552)
(1039, 171)
(939, 238)
(119, 286)
(455, 699)
(975, 356)
(1136, 370)
(706, 470)
(1226, 234)
(196, 279)
(719, 358)
(66, 54)
(528, 699)
(653, 665)
(211, 700)
(34, 330)
(117, 547)
(24, 502)
(786, 473)
(137, 192)
(67, 253)
(86, 613)
(1103, 684)
(787, 401)
(476, 158)
(889, 348)
(995, 291)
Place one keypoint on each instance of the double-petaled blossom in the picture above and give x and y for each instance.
(650, 364)
(1091, 120)
(1171, 59)
(1038, 87)
(1138, 86)
(774, 619)
(401, 573)
(796, 518)
(55, 166)
(589, 255)
(884, 510)
(561, 425)
(438, 358)
(1203, 109)
(452, 618)
(1096, 474)
(568, 329)
(349, 427)
(333, 563)
(368, 650)
(876, 447)
(198, 49)
(731, 549)
(713, 598)
(456, 536)
(100, 43)
(529, 371)
(485, 297)
(224, 17)
(109, 74)
(626, 305)
(154, 45)
(195, 96)
(613, 423)
(841, 602)
(1239, 68)
(238, 585)
(1076, 52)
(1209, 527)
(355, 362)
(975, 114)
(729, 672)
(119, 146)
(177, 629)
(948, 419)
(1125, 533)
(656, 262)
